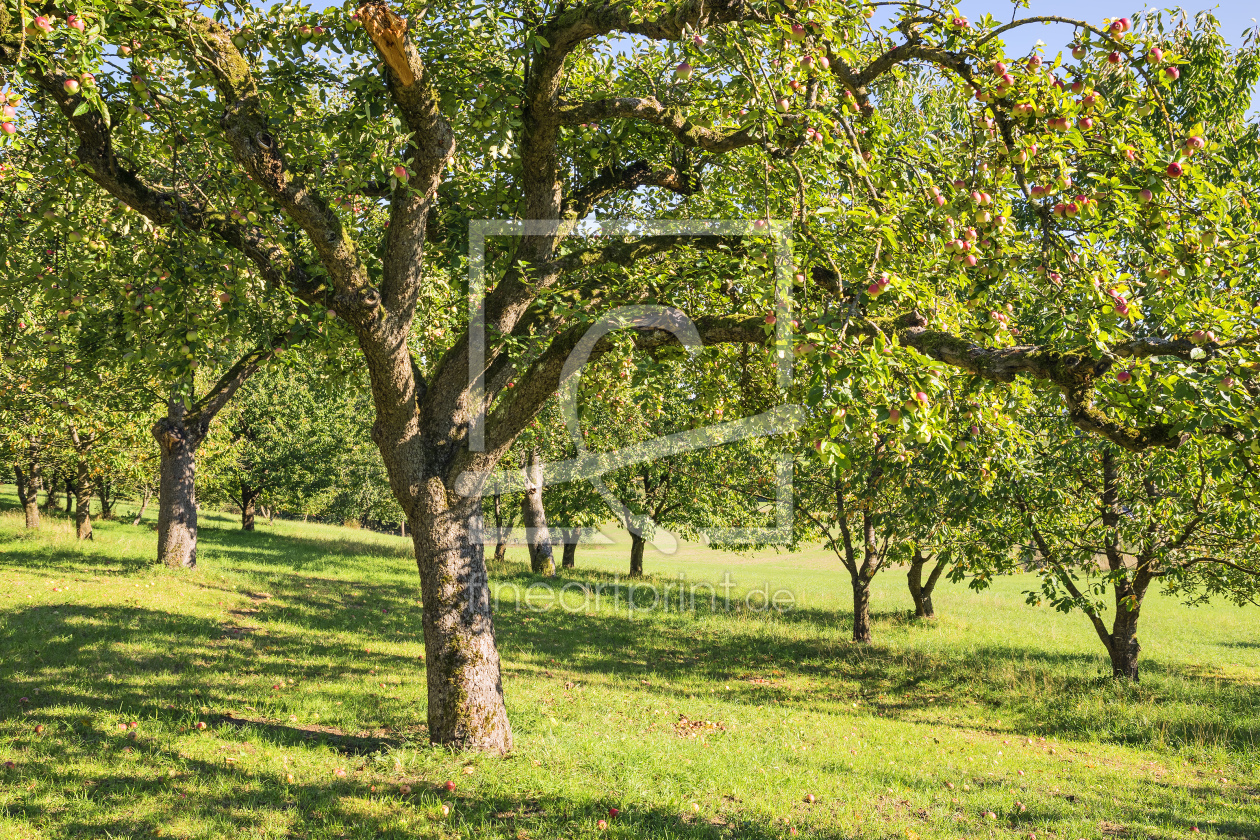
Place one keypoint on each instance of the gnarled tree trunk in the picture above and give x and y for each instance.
(177, 488)
(28, 485)
(570, 555)
(462, 660)
(541, 559)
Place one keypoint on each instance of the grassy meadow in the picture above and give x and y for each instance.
(298, 649)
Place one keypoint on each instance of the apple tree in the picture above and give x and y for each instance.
(739, 110)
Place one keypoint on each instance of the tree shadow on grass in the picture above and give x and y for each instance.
(809, 661)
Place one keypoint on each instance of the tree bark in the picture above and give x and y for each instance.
(83, 502)
(861, 610)
(570, 555)
(53, 500)
(144, 503)
(248, 496)
(106, 496)
(28, 482)
(636, 555)
(500, 543)
(921, 592)
(462, 661)
(1124, 647)
(534, 517)
(177, 491)
(71, 493)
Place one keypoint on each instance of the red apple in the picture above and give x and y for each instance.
(683, 71)
(1034, 62)
(770, 319)
(8, 128)
(43, 24)
(1174, 170)
(1154, 55)
(1123, 376)
(613, 812)
(809, 797)
(1085, 123)
(400, 172)
(1125, 24)
(798, 32)
(71, 86)
(699, 40)
(601, 825)
(450, 785)
(1113, 57)
(1146, 196)
(201, 724)
(1172, 73)
(1079, 51)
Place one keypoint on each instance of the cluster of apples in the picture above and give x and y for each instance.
(1119, 301)
(8, 112)
(880, 284)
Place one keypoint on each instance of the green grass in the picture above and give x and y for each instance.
(300, 648)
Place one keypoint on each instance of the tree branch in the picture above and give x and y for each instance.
(649, 109)
(632, 176)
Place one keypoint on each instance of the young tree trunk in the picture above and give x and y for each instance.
(921, 592)
(83, 502)
(105, 494)
(500, 542)
(636, 555)
(248, 497)
(28, 492)
(541, 558)
(144, 503)
(570, 555)
(71, 493)
(177, 491)
(861, 610)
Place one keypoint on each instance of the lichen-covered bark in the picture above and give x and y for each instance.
(177, 489)
(465, 688)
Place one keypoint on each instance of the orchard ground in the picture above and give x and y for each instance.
(298, 647)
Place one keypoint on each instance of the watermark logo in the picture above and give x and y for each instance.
(674, 597)
(592, 466)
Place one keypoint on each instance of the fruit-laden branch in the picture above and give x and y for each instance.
(579, 204)
(1075, 373)
(164, 207)
(650, 110)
